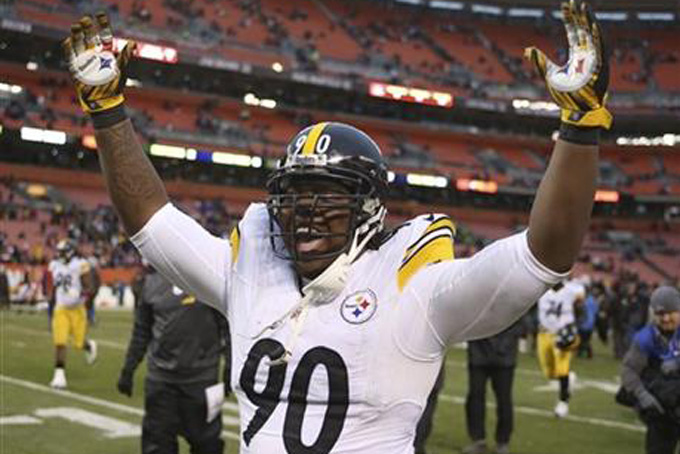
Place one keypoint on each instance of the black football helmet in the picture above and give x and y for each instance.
(567, 337)
(66, 249)
(335, 153)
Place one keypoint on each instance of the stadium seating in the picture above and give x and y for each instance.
(421, 44)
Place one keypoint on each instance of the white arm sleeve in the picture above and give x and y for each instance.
(471, 298)
(187, 254)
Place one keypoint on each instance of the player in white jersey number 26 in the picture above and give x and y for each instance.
(339, 326)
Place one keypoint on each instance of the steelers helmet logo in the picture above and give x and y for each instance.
(359, 307)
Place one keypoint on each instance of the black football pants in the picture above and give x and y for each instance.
(663, 436)
(178, 409)
(475, 403)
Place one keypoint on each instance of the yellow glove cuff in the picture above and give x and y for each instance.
(592, 119)
(101, 104)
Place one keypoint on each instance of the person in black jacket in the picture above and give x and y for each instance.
(183, 341)
(494, 359)
(650, 375)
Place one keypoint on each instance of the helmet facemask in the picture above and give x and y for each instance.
(298, 218)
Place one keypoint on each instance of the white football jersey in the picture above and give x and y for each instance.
(556, 308)
(363, 362)
(66, 278)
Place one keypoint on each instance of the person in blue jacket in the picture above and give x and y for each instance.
(651, 373)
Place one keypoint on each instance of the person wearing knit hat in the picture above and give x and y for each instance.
(665, 304)
(650, 376)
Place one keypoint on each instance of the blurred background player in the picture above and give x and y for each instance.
(492, 359)
(184, 340)
(651, 373)
(71, 289)
(558, 336)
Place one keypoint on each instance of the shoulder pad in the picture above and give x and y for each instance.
(433, 243)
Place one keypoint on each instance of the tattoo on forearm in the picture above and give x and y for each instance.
(127, 173)
(133, 184)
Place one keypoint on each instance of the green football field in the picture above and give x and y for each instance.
(91, 417)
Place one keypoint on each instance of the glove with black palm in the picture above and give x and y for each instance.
(99, 74)
(125, 382)
(578, 87)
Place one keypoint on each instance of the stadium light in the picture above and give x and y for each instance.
(525, 12)
(666, 140)
(215, 157)
(410, 94)
(43, 135)
(149, 51)
(277, 67)
(256, 161)
(607, 196)
(539, 107)
(11, 88)
(36, 190)
(431, 181)
(252, 100)
(657, 16)
(615, 16)
(233, 159)
(466, 184)
(487, 9)
(88, 141)
(443, 4)
(167, 151)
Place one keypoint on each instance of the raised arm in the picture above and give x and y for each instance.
(135, 188)
(133, 185)
(176, 245)
(561, 211)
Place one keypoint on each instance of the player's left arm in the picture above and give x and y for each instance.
(561, 211)
(480, 296)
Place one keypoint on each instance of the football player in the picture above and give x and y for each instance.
(339, 327)
(558, 335)
(71, 289)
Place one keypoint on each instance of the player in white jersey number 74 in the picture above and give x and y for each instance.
(339, 326)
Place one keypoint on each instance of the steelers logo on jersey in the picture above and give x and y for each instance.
(359, 307)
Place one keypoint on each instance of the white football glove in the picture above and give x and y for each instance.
(579, 87)
(98, 74)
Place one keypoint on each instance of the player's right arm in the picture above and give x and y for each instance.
(134, 186)
(172, 242)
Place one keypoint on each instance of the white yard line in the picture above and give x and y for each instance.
(448, 398)
(33, 332)
(551, 415)
(88, 399)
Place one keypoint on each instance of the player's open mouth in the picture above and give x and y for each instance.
(308, 241)
(316, 245)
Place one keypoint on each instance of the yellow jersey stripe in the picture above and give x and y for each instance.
(442, 223)
(235, 240)
(436, 250)
(314, 134)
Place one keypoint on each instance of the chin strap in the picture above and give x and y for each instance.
(325, 287)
